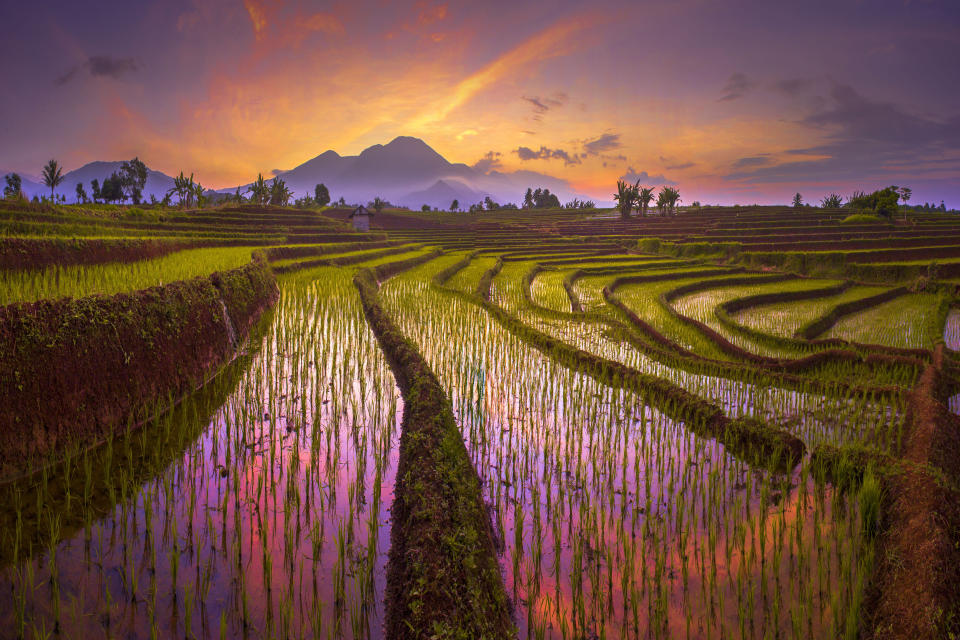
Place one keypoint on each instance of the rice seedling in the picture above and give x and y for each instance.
(260, 506)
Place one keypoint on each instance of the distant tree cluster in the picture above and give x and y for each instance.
(576, 203)
(540, 199)
(883, 202)
(929, 207)
(632, 196)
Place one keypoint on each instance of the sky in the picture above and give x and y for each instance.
(733, 102)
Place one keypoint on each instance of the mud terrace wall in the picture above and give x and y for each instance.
(73, 371)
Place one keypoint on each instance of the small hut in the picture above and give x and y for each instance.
(360, 218)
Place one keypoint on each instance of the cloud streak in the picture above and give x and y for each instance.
(556, 40)
(544, 153)
(101, 67)
(736, 87)
(606, 142)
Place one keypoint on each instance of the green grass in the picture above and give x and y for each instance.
(108, 279)
(861, 218)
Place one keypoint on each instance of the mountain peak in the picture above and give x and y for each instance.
(406, 146)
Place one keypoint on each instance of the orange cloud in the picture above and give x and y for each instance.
(429, 14)
(258, 16)
(325, 22)
(556, 40)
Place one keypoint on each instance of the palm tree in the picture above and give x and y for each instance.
(279, 193)
(671, 197)
(52, 176)
(625, 196)
(644, 198)
(378, 204)
(663, 199)
(259, 190)
(197, 192)
(183, 187)
(831, 201)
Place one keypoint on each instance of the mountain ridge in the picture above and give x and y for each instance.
(406, 171)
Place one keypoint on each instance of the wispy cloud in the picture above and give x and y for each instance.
(606, 142)
(489, 162)
(556, 40)
(544, 153)
(644, 178)
(737, 86)
(101, 66)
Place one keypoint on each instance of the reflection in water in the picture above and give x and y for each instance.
(615, 521)
(951, 330)
(258, 507)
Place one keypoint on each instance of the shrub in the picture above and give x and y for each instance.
(861, 218)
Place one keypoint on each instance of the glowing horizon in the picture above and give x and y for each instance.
(718, 100)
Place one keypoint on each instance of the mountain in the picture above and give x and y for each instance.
(157, 183)
(443, 192)
(408, 172)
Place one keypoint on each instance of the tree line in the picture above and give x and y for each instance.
(882, 202)
(129, 182)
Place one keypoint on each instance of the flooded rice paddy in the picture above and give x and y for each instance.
(260, 506)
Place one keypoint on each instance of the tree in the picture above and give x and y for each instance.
(626, 197)
(259, 191)
(489, 204)
(198, 194)
(425, 208)
(644, 198)
(905, 193)
(81, 193)
(797, 200)
(52, 176)
(133, 174)
(378, 204)
(112, 189)
(540, 199)
(95, 190)
(455, 205)
(831, 201)
(662, 201)
(305, 202)
(14, 188)
(238, 196)
(882, 202)
(183, 187)
(671, 197)
(279, 193)
(321, 195)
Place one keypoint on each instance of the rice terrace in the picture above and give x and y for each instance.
(540, 396)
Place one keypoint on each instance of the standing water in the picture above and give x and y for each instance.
(257, 507)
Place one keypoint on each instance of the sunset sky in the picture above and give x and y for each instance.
(735, 102)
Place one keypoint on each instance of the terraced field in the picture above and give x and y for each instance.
(728, 423)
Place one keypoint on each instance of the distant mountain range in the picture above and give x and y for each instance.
(406, 172)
